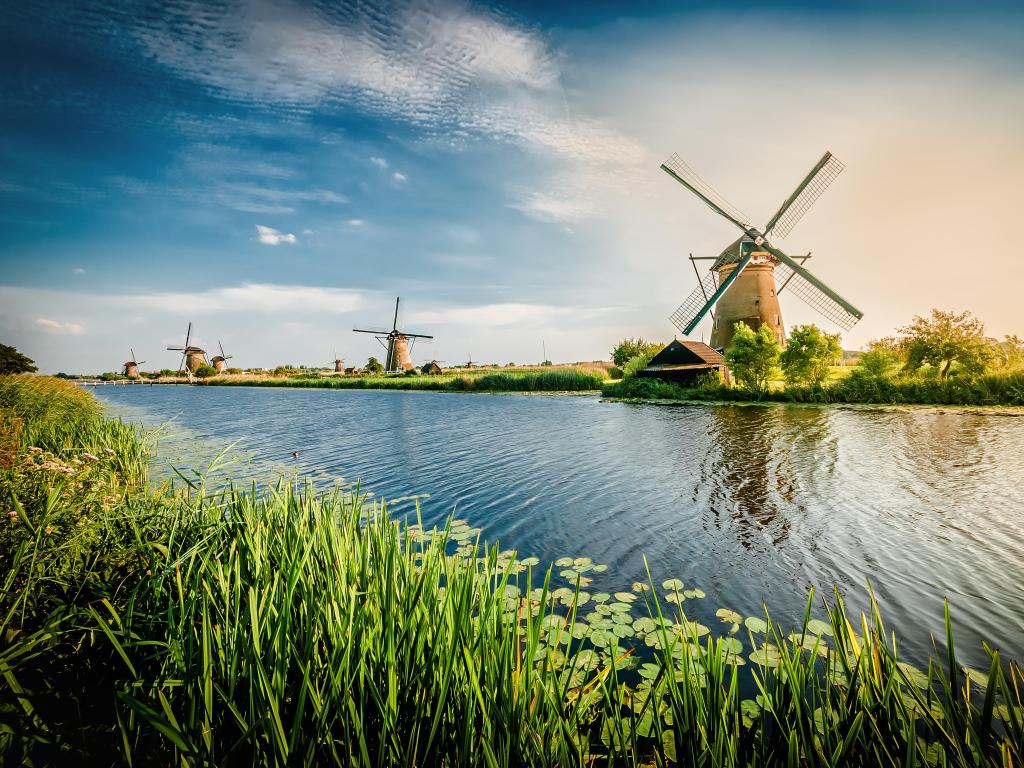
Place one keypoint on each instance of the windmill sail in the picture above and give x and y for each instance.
(803, 197)
(844, 316)
(694, 305)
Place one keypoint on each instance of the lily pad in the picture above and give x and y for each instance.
(672, 585)
(756, 625)
(728, 617)
(641, 586)
(625, 597)
(530, 561)
(731, 645)
(644, 625)
(766, 656)
(695, 593)
(819, 627)
(562, 562)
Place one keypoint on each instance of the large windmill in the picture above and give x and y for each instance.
(191, 357)
(131, 367)
(744, 282)
(397, 344)
(220, 362)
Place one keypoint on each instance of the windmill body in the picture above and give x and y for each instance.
(191, 356)
(220, 362)
(131, 368)
(745, 280)
(751, 297)
(397, 344)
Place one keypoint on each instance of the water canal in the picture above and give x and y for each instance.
(752, 504)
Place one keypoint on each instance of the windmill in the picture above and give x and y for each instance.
(191, 357)
(338, 363)
(744, 282)
(131, 368)
(220, 362)
(397, 344)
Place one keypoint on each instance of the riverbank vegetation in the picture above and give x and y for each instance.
(144, 625)
(572, 379)
(942, 359)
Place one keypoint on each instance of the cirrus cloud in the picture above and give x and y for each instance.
(271, 236)
(55, 326)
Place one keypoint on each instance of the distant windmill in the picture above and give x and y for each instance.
(397, 344)
(191, 357)
(220, 362)
(131, 368)
(743, 283)
(339, 364)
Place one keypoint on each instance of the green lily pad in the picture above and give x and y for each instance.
(530, 561)
(756, 625)
(644, 625)
(562, 562)
(695, 593)
(601, 597)
(766, 656)
(917, 678)
(675, 597)
(819, 627)
(728, 617)
(586, 659)
(600, 568)
(582, 561)
(649, 671)
(625, 597)
(641, 586)
(672, 585)
(731, 645)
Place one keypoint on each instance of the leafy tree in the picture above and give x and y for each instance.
(882, 359)
(808, 355)
(1008, 354)
(12, 361)
(639, 361)
(753, 356)
(373, 366)
(204, 371)
(944, 338)
(627, 349)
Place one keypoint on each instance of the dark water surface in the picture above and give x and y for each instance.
(751, 504)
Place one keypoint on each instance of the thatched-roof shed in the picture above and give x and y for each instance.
(682, 362)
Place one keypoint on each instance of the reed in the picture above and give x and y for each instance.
(290, 627)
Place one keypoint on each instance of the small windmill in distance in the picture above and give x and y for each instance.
(191, 357)
(396, 343)
(339, 364)
(131, 368)
(744, 282)
(220, 362)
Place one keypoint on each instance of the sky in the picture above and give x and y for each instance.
(277, 173)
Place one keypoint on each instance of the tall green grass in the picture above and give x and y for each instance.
(556, 380)
(294, 628)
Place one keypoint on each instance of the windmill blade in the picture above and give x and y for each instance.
(133, 353)
(140, 362)
(414, 335)
(394, 325)
(175, 349)
(685, 175)
(810, 189)
(813, 292)
(221, 349)
(693, 310)
(375, 333)
(188, 335)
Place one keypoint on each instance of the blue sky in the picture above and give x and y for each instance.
(277, 172)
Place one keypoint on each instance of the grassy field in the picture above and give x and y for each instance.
(158, 626)
(481, 380)
(1000, 389)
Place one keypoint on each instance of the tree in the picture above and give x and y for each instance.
(944, 338)
(808, 355)
(205, 371)
(12, 361)
(627, 349)
(753, 356)
(882, 359)
(373, 366)
(1008, 354)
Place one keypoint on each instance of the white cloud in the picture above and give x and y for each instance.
(78, 271)
(380, 162)
(546, 207)
(492, 315)
(356, 222)
(253, 297)
(271, 236)
(401, 178)
(73, 329)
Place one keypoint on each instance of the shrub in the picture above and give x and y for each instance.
(204, 371)
(627, 349)
(753, 357)
(808, 355)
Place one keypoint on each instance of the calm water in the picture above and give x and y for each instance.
(751, 504)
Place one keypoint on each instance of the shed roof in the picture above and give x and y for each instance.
(686, 353)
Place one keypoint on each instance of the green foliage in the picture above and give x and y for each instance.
(946, 338)
(234, 371)
(638, 363)
(204, 371)
(1008, 354)
(288, 627)
(753, 357)
(627, 349)
(12, 361)
(808, 355)
(373, 366)
(883, 359)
